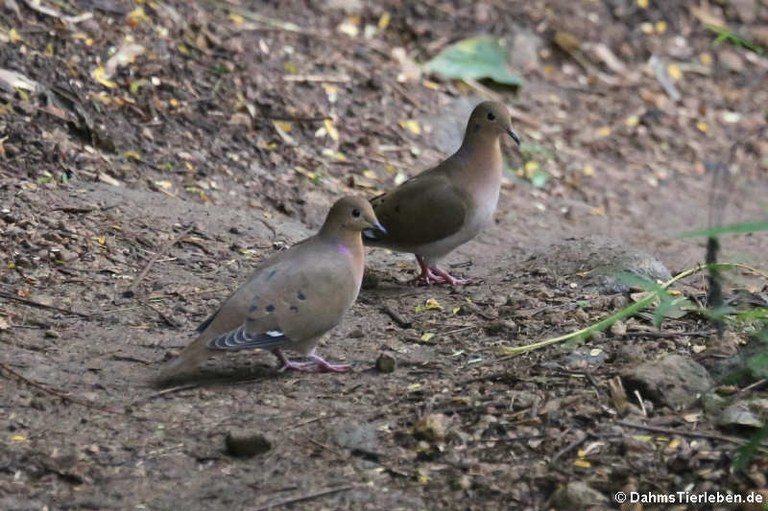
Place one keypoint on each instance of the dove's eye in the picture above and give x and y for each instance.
(491, 116)
(355, 212)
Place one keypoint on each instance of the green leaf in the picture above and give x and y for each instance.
(759, 365)
(744, 228)
(475, 58)
(747, 452)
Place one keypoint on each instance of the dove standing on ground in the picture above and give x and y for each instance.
(444, 207)
(292, 298)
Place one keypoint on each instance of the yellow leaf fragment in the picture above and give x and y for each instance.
(384, 20)
(581, 463)
(603, 132)
(283, 126)
(674, 72)
(632, 121)
(334, 155)
(429, 304)
(411, 125)
(132, 155)
(14, 36)
(589, 170)
(236, 19)
(137, 16)
(18, 438)
(331, 129)
(702, 126)
(164, 184)
(99, 74)
(597, 211)
(350, 26)
(643, 4)
(414, 386)
(332, 91)
(426, 337)
(660, 27)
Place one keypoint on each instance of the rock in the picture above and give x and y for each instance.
(386, 363)
(359, 438)
(501, 327)
(246, 444)
(751, 413)
(597, 263)
(675, 381)
(432, 427)
(577, 495)
(524, 51)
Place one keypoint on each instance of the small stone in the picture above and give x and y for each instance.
(432, 427)
(674, 380)
(357, 333)
(386, 363)
(577, 495)
(246, 444)
(370, 280)
(501, 326)
(52, 334)
(618, 329)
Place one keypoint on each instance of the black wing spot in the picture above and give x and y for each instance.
(253, 308)
(301, 296)
(270, 308)
(271, 274)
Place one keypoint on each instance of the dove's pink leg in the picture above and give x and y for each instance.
(433, 275)
(315, 362)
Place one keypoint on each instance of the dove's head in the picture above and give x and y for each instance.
(352, 214)
(491, 118)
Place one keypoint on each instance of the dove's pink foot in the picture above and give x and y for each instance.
(433, 275)
(315, 362)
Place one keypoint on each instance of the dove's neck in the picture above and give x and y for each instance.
(346, 243)
(478, 160)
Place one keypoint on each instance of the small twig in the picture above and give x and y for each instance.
(341, 78)
(663, 335)
(304, 498)
(310, 421)
(155, 257)
(74, 209)
(396, 316)
(167, 319)
(33, 303)
(9, 373)
(164, 392)
(297, 118)
(691, 434)
(753, 386)
(579, 440)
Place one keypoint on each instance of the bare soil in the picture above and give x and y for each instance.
(129, 209)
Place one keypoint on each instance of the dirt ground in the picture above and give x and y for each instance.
(132, 202)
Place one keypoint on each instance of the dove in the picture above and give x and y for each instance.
(444, 207)
(293, 298)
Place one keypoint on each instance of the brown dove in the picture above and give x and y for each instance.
(441, 208)
(292, 298)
